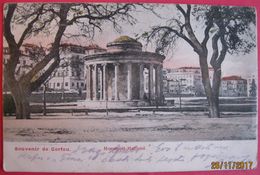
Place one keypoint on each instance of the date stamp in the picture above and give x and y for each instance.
(230, 165)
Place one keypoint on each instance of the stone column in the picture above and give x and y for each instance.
(100, 71)
(95, 82)
(104, 82)
(116, 80)
(156, 81)
(141, 77)
(88, 82)
(161, 83)
(151, 84)
(129, 81)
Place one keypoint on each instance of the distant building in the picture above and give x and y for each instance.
(70, 75)
(93, 49)
(6, 54)
(30, 55)
(185, 80)
(165, 81)
(233, 86)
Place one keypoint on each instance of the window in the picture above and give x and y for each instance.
(66, 84)
(72, 84)
(82, 84)
(58, 84)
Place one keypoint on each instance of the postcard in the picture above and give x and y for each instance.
(129, 87)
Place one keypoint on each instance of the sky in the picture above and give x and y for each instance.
(181, 55)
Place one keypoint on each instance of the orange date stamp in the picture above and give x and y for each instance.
(230, 165)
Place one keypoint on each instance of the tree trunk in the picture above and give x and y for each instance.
(215, 89)
(21, 96)
(211, 93)
(44, 100)
(213, 108)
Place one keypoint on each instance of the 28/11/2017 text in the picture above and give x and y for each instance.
(232, 165)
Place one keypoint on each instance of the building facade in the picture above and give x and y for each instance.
(233, 86)
(30, 55)
(124, 75)
(70, 75)
(185, 81)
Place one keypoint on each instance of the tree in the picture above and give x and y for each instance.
(252, 91)
(37, 18)
(230, 30)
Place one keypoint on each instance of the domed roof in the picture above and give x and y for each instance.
(124, 43)
(124, 38)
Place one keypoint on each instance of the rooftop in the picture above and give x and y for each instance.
(94, 46)
(88, 47)
(70, 44)
(30, 45)
(191, 67)
(124, 43)
(233, 77)
(124, 38)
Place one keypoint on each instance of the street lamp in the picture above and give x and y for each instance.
(180, 86)
(62, 94)
(44, 99)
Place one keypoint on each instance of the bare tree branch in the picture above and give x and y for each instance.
(181, 9)
(215, 53)
(100, 16)
(30, 26)
(54, 53)
(223, 51)
(206, 34)
(14, 50)
(7, 26)
(42, 78)
(178, 34)
(197, 46)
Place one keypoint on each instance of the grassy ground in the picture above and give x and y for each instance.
(131, 126)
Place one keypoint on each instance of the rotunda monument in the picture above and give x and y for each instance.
(124, 75)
